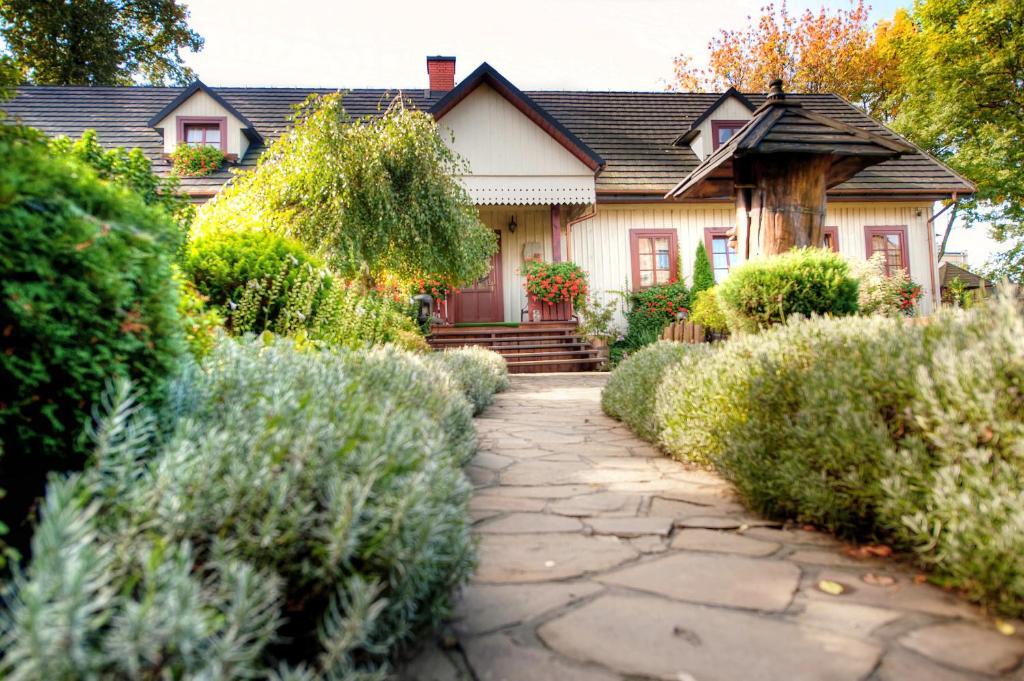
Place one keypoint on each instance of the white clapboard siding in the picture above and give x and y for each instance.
(534, 225)
(601, 245)
(201, 104)
(729, 110)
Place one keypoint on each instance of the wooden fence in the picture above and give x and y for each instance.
(684, 332)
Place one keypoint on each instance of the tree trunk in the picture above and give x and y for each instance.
(789, 201)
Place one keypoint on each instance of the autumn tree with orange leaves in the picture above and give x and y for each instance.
(837, 52)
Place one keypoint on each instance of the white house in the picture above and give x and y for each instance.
(581, 175)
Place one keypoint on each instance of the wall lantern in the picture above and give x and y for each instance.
(424, 304)
(512, 225)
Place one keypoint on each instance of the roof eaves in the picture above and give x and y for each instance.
(485, 73)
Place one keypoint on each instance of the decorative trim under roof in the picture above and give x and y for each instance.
(692, 131)
(485, 73)
(784, 126)
(197, 86)
(527, 190)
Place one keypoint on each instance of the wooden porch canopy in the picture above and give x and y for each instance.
(781, 126)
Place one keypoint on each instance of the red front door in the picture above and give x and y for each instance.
(481, 301)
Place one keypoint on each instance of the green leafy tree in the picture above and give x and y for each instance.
(374, 197)
(703, 274)
(99, 42)
(962, 99)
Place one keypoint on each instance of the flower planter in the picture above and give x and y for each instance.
(540, 311)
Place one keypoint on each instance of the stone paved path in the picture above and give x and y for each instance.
(602, 559)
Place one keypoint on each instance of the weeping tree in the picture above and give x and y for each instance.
(374, 196)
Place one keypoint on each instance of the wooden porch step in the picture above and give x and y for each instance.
(537, 328)
(566, 354)
(502, 339)
(540, 365)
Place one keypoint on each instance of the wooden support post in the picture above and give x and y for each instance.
(790, 195)
(556, 233)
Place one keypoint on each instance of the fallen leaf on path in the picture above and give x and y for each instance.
(831, 588)
(1005, 628)
(920, 579)
(878, 580)
(868, 550)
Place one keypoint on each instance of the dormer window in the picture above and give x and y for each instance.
(202, 135)
(196, 131)
(721, 131)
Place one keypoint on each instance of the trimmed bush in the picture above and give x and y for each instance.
(651, 310)
(768, 291)
(479, 373)
(878, 292)
(880, 430)
(87, 297)
(707, 312)
(629, 394)
(305, 506)
(703, 274)
(222, 264)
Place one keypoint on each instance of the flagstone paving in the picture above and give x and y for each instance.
(601, 559)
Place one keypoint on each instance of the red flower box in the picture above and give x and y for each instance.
(538, 310)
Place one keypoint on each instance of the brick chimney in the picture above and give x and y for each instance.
(442, 73)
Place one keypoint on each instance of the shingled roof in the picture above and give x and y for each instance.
(633, 132)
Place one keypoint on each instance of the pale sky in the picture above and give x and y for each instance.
(536, 44)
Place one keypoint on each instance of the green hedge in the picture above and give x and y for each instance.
(768, 291)
(707, 311)
(651, 310)
(479, 373)
(86, 297)
(629, 393)
(877, 429)
(306, 507)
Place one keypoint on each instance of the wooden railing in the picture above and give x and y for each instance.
(684, 332)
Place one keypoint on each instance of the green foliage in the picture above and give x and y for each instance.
(629, 394)
(707, 312)
(962, 100)
(130, 169)
(87, 296)
(891, 295)
(196, 161)
(99, 42)
(221, 264)
(307, 507)
(651, 310)
(555, 282)
(477, 371)
(597, 318)
(202, 324)
(373, 196)
(808, 281)
(868, 426)
(703, 274)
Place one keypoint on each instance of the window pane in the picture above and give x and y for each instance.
(720, 274)
(721, 261)
(663, 276)
(193, 134)
(719, 244)
(645, 246)
(646, 279)
(213, 136)
(663, 261)
(646, 262)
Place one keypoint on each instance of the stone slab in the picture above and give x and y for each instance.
(496, 502)
(483, 608)
(507, 558)
(631, 527)
(655, 638)
(734, 581)
(601, 503)
(902, 595)
(499, 658)
(966, 646)
(722, 542)
(846, 618)
(530, 523)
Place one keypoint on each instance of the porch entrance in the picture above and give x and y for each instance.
(482, 301)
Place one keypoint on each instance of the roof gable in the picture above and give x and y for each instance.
(694, 128)
(486, 74)
(198, 86)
